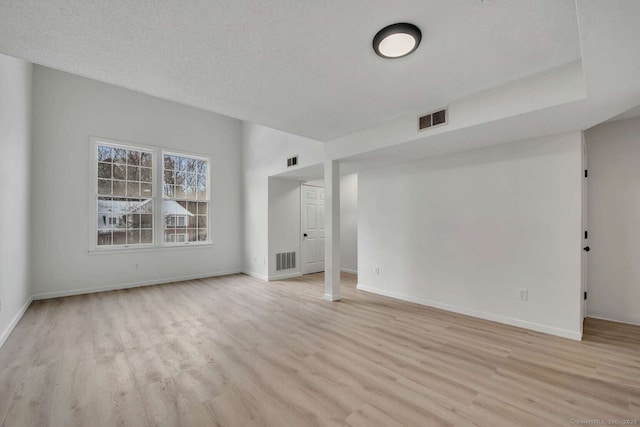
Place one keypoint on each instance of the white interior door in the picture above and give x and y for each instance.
(312, 232)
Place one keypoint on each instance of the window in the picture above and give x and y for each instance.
(126, 200)
(185, 195)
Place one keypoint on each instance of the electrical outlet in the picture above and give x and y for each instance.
(255, 259)
(377, 271)
(523, 294)
(135, 266)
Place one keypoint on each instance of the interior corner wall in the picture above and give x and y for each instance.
(613, 217)
(67, 111)
(284, 224)
(464, 232)
(264, 154)
(349, 223)
(15, 222)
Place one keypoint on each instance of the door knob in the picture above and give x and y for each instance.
(305, 234)
(586, 249)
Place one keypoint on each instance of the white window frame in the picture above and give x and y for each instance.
(157, 197)
(162, 153)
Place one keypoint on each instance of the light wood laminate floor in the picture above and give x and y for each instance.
(236, 351)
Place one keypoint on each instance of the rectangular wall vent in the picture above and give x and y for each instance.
(285, 261)
(292, 161)
(433, 119)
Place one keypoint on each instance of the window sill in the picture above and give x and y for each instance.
(179, 247)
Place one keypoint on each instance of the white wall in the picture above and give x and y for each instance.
(465, 231)
(349, 223)
(67, 111)
(613, 272)
(264, 153)
(15, 153)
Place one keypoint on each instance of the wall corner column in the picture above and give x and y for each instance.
(332, 230)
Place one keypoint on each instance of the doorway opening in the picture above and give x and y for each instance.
(312, 204)
(312, 216)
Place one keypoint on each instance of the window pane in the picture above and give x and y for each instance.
(133, 221)
(104, 238)
(133, 157)
(104, 170)
(119, 188)
(133, 189)
(119, 155)
(133, 237)
(145, 207)
(146, 189)
(105, 153)
(201, 167)
(104, 204)
(104, 187)
(119, 172)
(146, 236)
(133, 173)
(146, 221)
(119, 237)
(145, 174)
(192, 207)
(179, 192)
(191, 165)
(169, 162)
(180, 178)
(202, 221)
(202, 235)
(145, 159)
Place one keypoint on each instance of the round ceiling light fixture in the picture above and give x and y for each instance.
(397, 40)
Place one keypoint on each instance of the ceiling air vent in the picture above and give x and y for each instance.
(292, 161)
(433, 119)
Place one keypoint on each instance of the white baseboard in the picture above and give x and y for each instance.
(256, 275)
(285, 276)
(71, 292)
(632, 321)
(348, 270)
(7, 331)
(564, 333)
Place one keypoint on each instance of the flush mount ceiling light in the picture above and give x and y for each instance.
(397, 40)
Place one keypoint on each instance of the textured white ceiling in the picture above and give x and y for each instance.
(302, 66)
